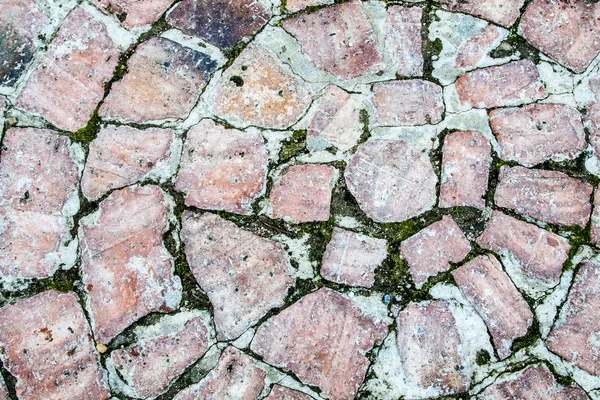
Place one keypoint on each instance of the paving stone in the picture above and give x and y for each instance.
(568, 32)
(403, 39)
(244, 275)
(499, 86)
(136, 13)
(222, 169)
(236, 376)
(496, 299)
(351, 258)
(163, 82)
(283, 393)
(535, 382)
(431, 251)
(536, 133)
(595, 225)
(37, 177)
(407, 103)
(68, 83)
(46, 344)
(338, 39)
(477, 47)
(304, 193)
(466, 163)
(122, 155)
(298, 5)
(429, 344)
(126, 271)
(548, 196)
(501, 12)
(391, 180)
(323, 339)
(221, 23)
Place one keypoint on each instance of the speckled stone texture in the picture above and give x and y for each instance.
(407, 103)
(135, 13)
(503, 13)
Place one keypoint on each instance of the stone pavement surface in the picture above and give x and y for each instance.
(299, 199)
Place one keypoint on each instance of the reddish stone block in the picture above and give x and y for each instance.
(477, 47)
(283, 393)
(403, 39)
(137, 13)
(501, 12)
(407, 103)
(298, 5)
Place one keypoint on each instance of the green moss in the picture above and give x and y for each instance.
(482, 357)
(514, 44)
(530, 338)
(88, 132)
(293, 146)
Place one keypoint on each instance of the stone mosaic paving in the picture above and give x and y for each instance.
(249, 199)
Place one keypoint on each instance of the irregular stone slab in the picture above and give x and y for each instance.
(567, 32)
(222, 169)
(351, 258)
(431, 251)
(298, 5)
(257, 89)
(222, 23)
(391, 180)
(466, 163)
(126, 271)
(535, 133)
(137, 13)
(243, 275)
(595, 225)
(236, 376)
(499, 86)
(163, 82)
(46, 344)
(501, 12)
(37, 177)
(122, 155)
(283, 393)
(304, 193)
(338, 39)
(496, 299)
(407, 103)
(68, 83)
(403, 39)
(477, 47)
(323, 339)
(547, 196)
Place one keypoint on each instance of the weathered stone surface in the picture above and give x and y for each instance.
(510, 84)
(222, 169)
(351, 258)
(535, 133)
(137, 13)
(304, 193)
(244, 275)
(219, 22)
(126, 271)
(592, 116)
(236, 376)
(163, 82)
(502, 12)
(68, 83)
(323, 339)
(547, 196)
(283, 393)
(391, 180)
(595, 225)
(338, 39)
(568, 32)
(298, 5)
(407, 103)
(496, 299)
(431, 251)
(466, 163)
(122, 155)
(46, 344)
(476, 48)
(429, 344)
(403, 39)
(37, 176)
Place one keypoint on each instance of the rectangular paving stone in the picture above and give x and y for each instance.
(403, 39)
(501, 12)
(407, 103)
(137, 13)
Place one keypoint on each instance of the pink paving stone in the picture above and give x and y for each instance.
(46, 343)
(236, 376)
(477, 47)
(68, 83)
(126, 271)
(595, 225)
(391, 180)
(548, 196)
(244, 275)
(568, 32)
(539, 254)
(122, 155)
(297, 5)
(323, 339)
(403, 39)
(501, 86)
(533, 383)
(429, 345)
(431, 251)
(222, 169)
(304, 193)
(163, 82)
(466, 163)
(407, 103)
(338, 39)
(535, 133)
(496, 299)
(351, 258)
(502, 12)
(37, 176)
(137, 13)
(283, 393)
